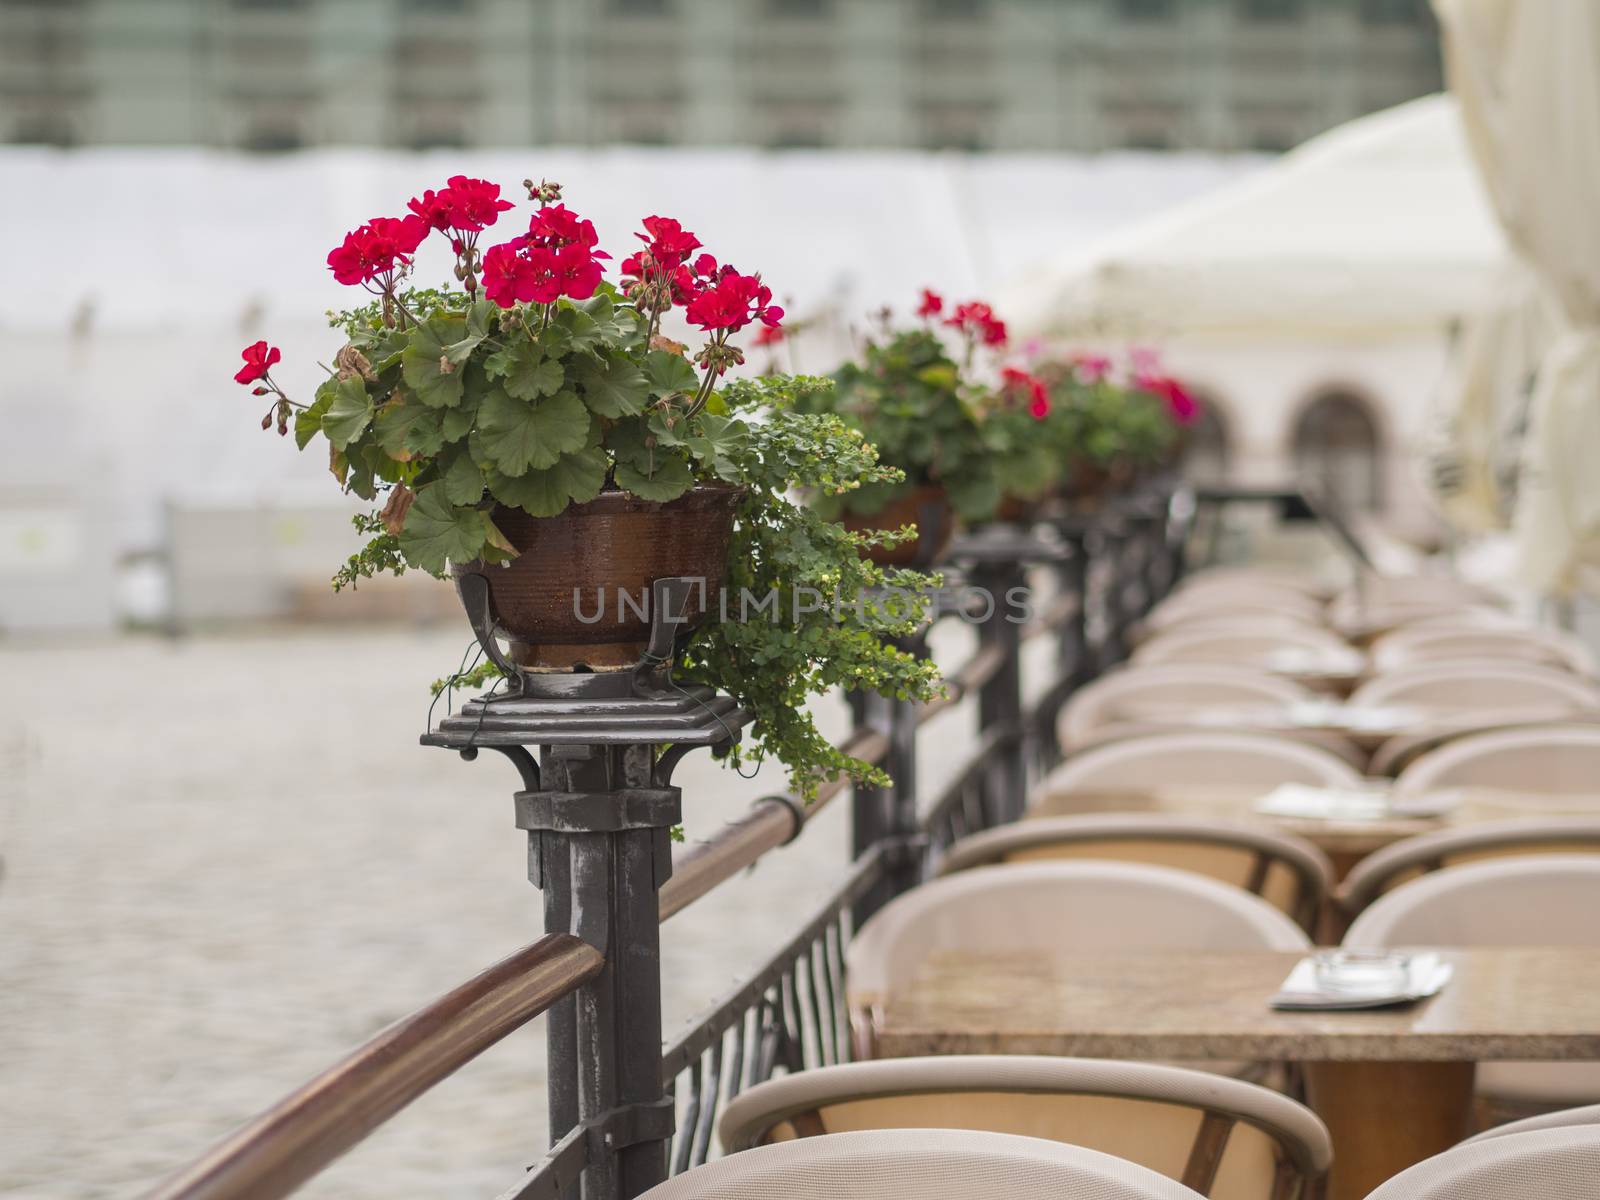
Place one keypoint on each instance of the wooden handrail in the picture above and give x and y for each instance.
(770, 823)
(296, 1138)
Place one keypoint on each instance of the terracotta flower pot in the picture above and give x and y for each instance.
(1017, 510)
(925, 506)
(548, 600)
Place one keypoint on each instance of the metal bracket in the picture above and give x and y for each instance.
(520, 758)
(474, 591)
(599, 812)
(629, 1125)
(669, 617)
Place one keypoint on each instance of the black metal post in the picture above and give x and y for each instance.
(1002, 593)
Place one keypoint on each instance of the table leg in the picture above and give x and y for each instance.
(1386, 1116)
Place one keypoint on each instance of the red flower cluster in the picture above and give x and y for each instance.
(667, 243)
(376, 250)
(465, 205)
(932, 304)
(1181, 403)
(767, 335)
(1014, 379)
(732, 302)
(976, 320)
(557, 257)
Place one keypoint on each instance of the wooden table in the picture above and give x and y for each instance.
(1346, 842)
(1394, 1085)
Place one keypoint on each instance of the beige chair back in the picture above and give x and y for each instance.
(1401, 862)
(1222, 1137)
(1562, 1118)
(1413, 646)
(1200, 759)
(1550, 1164)
(903, 1164)
(1537, 759)
(1239, 648)
(1503, 686)
(1138, 695)
(1039, 907)
(1418, 589)
(1281, 578)
(1540, 900)
(1288, 872)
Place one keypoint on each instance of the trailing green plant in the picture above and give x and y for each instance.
(534, 385)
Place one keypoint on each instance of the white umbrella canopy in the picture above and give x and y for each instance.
(1528, 79)
(1374, 230)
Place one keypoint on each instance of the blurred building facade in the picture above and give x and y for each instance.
(1079, 75)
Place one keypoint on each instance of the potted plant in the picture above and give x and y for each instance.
(533, 425)
(1021, 428)
(1114, 424)
(922, 409)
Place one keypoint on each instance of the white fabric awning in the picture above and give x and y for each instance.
(1376, 229)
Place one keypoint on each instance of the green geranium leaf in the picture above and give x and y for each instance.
(405, 426)
(583, 331)
(437, 532)
(630, 441)
(428, 364)
(524, 372)
(669, 480)
(574, 478)
(308, 421)
(716, 442)
(517, 436)
(461, 479)
(349, 414)
(670, 373)
(612, 387)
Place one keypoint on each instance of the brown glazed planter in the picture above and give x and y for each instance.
(613, 546)
(1017, 510)
(925, 506)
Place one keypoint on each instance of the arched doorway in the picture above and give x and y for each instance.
(1338, 449)
(1208, 449)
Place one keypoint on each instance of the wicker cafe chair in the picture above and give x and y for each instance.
(1136, 695)
(908, 1164)
(1237, 647)
(1289, 872)
(1485, 684)
(1401, 862)
(1222, 1137)
(1562, 1118)
(1200, 759)
(1132, 702)
(1550, 1164)
(1408, 647)
(1547, 759)
(1539, 900)
(1042, 907)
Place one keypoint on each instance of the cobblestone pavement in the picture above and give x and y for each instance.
(227, 860)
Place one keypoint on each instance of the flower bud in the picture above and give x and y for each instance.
(259, 391)
(266, 421)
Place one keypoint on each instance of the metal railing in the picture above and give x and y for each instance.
(625, 1113)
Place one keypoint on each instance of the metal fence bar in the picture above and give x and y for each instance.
(306, 1130)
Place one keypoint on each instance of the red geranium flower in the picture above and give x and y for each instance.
(1091, 368)
(433, 207)
(475, 204)
(670, 244)
(932, 304)
(732, 302)
(1038, 395)
(377, 249)
(768, 335)
(1181, 403)
(258, 360)
(557, 225)
(977, 320)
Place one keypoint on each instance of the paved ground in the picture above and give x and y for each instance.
(226, 861)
